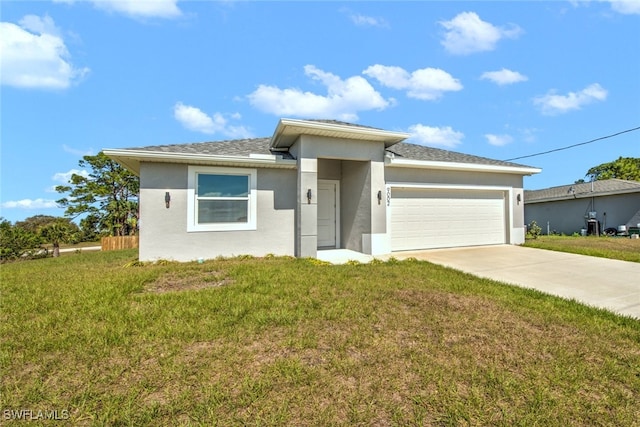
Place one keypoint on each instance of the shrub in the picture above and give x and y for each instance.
(533, 230)
(16, 242)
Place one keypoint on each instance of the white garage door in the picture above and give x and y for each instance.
(435, 218)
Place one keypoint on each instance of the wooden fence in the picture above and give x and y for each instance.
(114, 243)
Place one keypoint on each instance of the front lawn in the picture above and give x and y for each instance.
(621, 248)
(282, 341)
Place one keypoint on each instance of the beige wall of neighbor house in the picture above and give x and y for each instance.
(568, 216)
(163, 231)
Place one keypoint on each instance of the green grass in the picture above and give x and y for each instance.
(621, 248)
(280, 341)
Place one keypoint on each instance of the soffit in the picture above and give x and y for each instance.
(289, 130)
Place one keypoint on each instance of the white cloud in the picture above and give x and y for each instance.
(499, 140)
(34, 55)
(64, 177)
(626, 7)
(136, 8)
(364, 20)
(77, 152)
(440, 136)
(552, 104)
(504, 77)
(426, 83)
(30, 204)
(467, 33)
(368, 21)
(343, 100)
(39, 25)
(528, 134)
(196, 120)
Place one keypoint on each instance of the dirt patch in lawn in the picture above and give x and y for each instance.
(179, 281)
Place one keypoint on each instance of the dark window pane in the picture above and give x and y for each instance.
(223, 185)
(217, 211)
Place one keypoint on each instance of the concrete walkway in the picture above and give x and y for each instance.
(342, 256)
(86, 248)
(598, 282)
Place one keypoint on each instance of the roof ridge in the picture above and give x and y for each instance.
(203, 142)
(598, 182)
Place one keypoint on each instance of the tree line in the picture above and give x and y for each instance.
(627, 168)
(103, 202)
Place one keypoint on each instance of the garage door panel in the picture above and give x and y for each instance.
(430, 218)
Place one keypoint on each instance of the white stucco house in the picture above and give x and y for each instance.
(320, 184)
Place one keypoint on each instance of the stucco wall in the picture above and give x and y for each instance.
(163, 232)
(395, 174)
(355, 215)
(568, 216)
(343, 149)
(330, 169)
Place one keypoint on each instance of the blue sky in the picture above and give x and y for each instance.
(494, 79)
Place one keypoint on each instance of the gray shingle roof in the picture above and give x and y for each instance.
(238, 147)
(587, 189)
(245, 147)
(420, 152)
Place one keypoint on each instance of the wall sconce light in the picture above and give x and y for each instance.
(167, 199)
(379, 196)
(519, 198)
(309, 196)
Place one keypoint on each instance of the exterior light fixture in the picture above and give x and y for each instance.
(379, 196)
(309, 196)
(167, 199)
(519, 198)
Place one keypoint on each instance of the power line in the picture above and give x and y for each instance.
(575, 145)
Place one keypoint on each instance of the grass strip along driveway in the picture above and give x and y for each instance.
(621, 248)
(278, 341)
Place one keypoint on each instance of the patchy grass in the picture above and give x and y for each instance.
(621, 248)
(287, 341)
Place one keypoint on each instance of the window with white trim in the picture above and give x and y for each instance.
(221, 198)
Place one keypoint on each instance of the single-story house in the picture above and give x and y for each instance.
(591, 206)
(319, 184)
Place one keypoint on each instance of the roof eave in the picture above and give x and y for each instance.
(583, 195)
(130, 159)
(282, 140)
(455, 166)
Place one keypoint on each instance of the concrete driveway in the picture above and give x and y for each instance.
(599, 282)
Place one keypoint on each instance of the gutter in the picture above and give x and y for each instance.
(131, 159)
(454, 166)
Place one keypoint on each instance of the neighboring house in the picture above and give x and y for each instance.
(316, 185)
(568, 209)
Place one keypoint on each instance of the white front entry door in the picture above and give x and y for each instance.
(328, 214)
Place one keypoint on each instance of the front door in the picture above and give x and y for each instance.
(328, 214)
